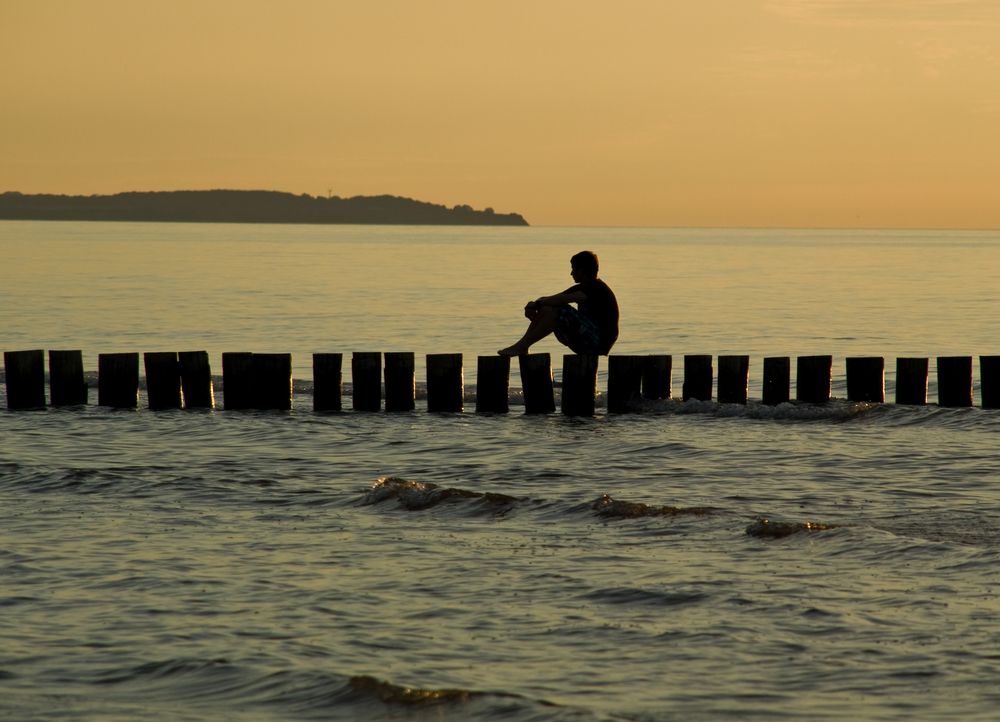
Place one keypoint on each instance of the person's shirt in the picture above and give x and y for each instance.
(601, 307)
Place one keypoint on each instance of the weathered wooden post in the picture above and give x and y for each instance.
(698, 377)
(911, 381)
(777, 380)
(366, 380)
(656, 371)
(66, 384)
(624, 383)
(493, 384)
(445, 383)
(25, 372)
(237, 380)
(734, 379)
(989, 381)
(866, 378)
(163, 380)
(118, 380)
(536, 381)
(196, 380)
(813, 379)
(400, 381)
(579, 384)
(272, 380)
(327, 377)
(954, 377)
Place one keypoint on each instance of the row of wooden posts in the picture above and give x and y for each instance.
(264, 381)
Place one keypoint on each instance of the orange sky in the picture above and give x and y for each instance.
(637, 113)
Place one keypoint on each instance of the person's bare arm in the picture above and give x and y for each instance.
(558, 299)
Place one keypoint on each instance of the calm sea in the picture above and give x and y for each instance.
(298, 566)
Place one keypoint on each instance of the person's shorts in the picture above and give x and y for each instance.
(577, 331)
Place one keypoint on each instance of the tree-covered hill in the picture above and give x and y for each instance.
(234, 206)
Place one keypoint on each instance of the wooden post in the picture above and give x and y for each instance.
(400, 381)
(366, 380)
(866, 379)
(493, 384)
(954, 377)
(66, 384)
(237, 380)
(777, 380)
(163, 380)
(813, 378)
(698, 377)
(911, 381)
(25, 374)
(536, 381)
(272, 381)
(327, 377)
(989, 380)
(118, 380)
(579, 384)
(624, 383)
(656, 377)
(445, 382)
(734, 379)
(196, 380)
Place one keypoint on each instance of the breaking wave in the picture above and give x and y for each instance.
(418, 495)
(764, 528)
(606, 507)
(301, 692)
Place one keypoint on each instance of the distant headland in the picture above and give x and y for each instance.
(234, 206)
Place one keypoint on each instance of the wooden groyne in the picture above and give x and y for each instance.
(264, 381)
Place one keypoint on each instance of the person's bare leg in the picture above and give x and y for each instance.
(542, 324)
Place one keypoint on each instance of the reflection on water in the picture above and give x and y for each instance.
(106, 287)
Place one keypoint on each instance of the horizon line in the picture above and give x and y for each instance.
(667, 226)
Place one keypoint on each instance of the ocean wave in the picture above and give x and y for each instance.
(939, 417)
(836, 410)
(970, 529)
(389, 693)
(651, 597)
(605, 506)
(949, 526)
(299, 690)
(764, 528)
(419, 495)
(309, 693)
(81, 480)
(163, 669)
(270, 494)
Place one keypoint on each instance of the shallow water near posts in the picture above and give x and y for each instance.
(695, 561)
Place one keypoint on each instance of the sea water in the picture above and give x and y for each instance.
(698, 561)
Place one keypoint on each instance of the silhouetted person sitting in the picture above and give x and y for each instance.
(591, 328)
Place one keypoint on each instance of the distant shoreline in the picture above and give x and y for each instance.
(236, 206)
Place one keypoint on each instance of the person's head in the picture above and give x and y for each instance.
(584, 265)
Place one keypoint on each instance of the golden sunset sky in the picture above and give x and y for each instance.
(809, 113)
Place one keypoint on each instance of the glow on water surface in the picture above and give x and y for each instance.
(304, 566)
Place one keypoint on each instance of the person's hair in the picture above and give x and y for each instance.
(585, 261)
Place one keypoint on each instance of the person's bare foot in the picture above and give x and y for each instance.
(511, 351)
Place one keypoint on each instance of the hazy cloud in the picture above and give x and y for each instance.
(877, 12)
(771, 62)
